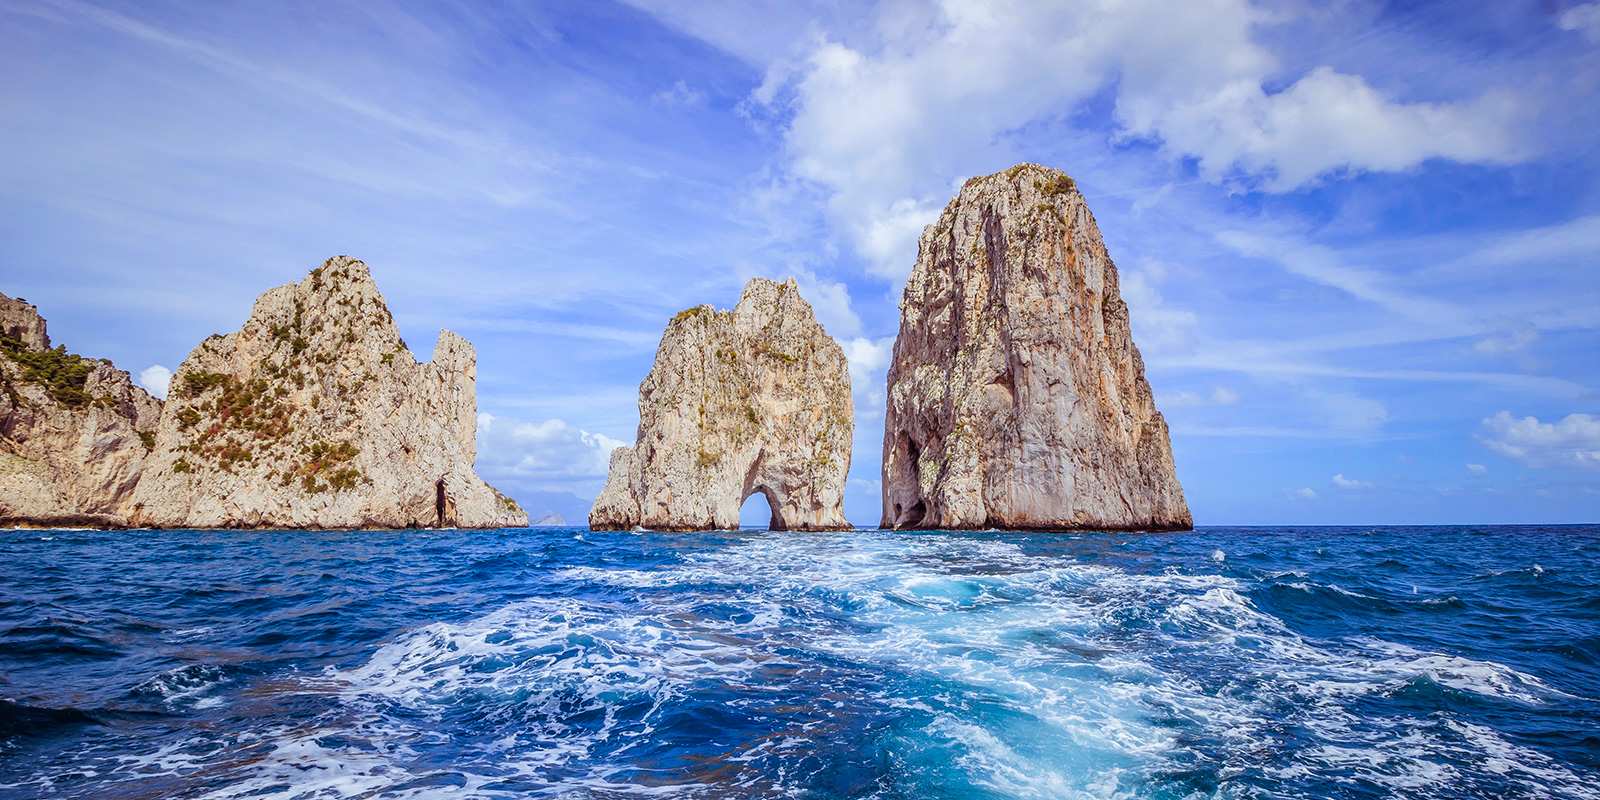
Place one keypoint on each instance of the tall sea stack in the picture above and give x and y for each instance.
(1016, 397)
(756, 399)
(316, 415)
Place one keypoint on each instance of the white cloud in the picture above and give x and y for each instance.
(679, 96)
(869, 359)
(551, 453)
(830, 301)
(155, 379)
(1157, 328)
(1324, 266)
(934, 89)
(1218, 397)
(1584, 18)
(1327, 122)
(1348, 412)
(1347, 483)
(1572, 443)
(1300, 494)
(1478, 469)
(868, 356)
(1507, 335)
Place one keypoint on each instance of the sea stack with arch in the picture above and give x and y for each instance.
(1016, 397)
(316, 415)
(753, 400)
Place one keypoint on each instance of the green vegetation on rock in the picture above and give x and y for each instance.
(62, 374)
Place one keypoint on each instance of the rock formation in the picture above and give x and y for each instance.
(756, 399)
(74, 432)
(1016, 397)
(316, 415)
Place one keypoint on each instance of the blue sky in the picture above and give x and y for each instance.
(1359, 241)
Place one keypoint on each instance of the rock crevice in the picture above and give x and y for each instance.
(753, 400)
(1016, 397)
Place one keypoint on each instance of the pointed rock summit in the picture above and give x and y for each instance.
(316, 415)
(1016, 397)
(756, 399)
(74, 432)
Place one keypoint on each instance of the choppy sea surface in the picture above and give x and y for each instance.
(1409, 662)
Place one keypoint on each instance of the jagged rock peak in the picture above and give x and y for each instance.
(20, 320)
(756, 399)
(315, 414)
(74, 431)
(1016, 397)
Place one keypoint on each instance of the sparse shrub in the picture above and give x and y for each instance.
(62, 374)
(198, 383)
(188, 418)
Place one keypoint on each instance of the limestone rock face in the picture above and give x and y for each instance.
(1016, 398)
(316, 415)
(74, 432)
(21, 321)
(756, 399)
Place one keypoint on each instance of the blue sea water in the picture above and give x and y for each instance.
(1229, 662)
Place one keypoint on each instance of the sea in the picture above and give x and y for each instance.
(1263, 662)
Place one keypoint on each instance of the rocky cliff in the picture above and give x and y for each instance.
(1016, 397)
(316, 415)
(756, 399)
(74, 432)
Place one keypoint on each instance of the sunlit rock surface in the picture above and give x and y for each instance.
(756, 399)
(1016, 397)
(74, 432)
(316, 415)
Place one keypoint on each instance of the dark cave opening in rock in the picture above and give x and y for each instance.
(439, 503)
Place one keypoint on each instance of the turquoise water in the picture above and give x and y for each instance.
(1253, 662)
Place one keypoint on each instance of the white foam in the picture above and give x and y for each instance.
(1093, 681)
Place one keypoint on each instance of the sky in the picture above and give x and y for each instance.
(1359, 241)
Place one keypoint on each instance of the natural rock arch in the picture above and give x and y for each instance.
(756, 399)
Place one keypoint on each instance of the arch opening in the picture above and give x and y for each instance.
(759, 508)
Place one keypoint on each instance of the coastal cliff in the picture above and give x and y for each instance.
(315, 414)
(74, 432)
(1016, 397)
(756, 399)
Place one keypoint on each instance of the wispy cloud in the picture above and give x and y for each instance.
(1573, 443)
(1342, 482)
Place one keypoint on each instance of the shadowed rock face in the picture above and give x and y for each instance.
(1016, 398)
(73, 430)
(316, 415)
(756, 399)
